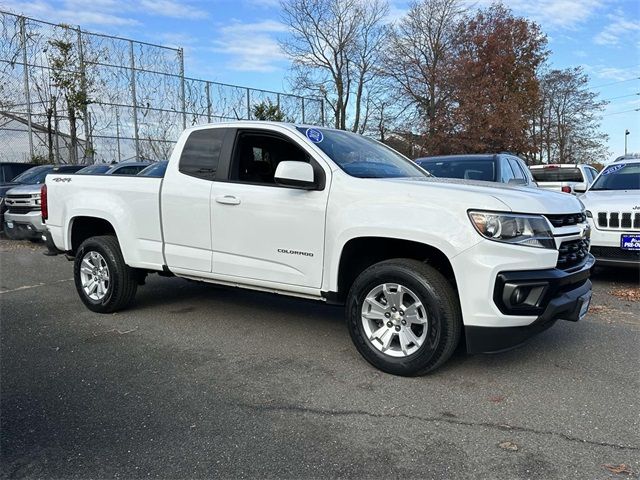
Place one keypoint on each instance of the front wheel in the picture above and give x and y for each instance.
(404, 317)
(103, 280)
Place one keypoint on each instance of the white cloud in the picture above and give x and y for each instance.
(100, 12)
(251, 46)
(172, 8)
(550, 13)
(619, 30)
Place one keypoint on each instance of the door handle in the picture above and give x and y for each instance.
(228, 200)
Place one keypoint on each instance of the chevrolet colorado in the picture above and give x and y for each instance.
(334, 216)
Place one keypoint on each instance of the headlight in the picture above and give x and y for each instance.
(518, 229)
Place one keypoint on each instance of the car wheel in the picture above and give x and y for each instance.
(103, 280)
(404, 317)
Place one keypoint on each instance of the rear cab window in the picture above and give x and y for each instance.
(557, 174)
(201, 153)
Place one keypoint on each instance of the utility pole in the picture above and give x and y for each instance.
(626, 134)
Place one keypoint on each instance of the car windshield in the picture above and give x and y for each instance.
(33, 175)
(467, 168)
(621, 176)
(93, 170)
(557, 174)
(154, 170)
(360, 156)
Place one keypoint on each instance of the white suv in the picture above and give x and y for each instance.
(613, 210)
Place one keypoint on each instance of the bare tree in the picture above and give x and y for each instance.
(334, 46)
(418, 61)
(566, 127)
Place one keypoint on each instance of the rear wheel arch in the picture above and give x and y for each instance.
(82, 228)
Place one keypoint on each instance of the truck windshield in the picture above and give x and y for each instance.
(33, 175)
(467, 168)
(360, 156)
(557, 174)
(620, 176)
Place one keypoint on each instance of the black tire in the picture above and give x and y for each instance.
(438, 298)
(123, 282)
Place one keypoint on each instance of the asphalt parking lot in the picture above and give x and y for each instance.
(200, 381)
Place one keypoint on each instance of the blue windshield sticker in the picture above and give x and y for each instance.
(314, 135)
(613, 168)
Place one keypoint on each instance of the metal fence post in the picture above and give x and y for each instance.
(83, 87)
(27, 90)
(56, 126)
(134, 99)
(322, 112)
(183, 100)
(207, 89)
(118, 134)
(248, 104)
(303, 116)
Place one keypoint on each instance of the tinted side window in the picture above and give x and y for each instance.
(256, 157)
(201, 153)
(517, 171)
(130, 170)
(505, 171)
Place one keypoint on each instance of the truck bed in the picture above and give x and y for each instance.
(133, 207)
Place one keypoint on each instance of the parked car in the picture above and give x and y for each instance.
(613, 210)
(127, 168)
(22, 219)
(10, 170)
(333, 216)
(96, 169)
(562, 177)
(123, 168)
(502, 168)
(156, 169)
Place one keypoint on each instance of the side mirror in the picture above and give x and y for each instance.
(580, 187)
(295, 174)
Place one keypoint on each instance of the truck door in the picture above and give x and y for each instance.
(185, 199)
(261, 230)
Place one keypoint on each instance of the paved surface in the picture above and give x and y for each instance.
(201, 381)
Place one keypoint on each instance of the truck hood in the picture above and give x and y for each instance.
(515, 198)
(25, 189)
(611, 200)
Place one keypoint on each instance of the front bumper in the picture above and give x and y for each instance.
(605, 246)
(550, 295)
(24, 225)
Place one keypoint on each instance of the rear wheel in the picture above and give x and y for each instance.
(103, 280)
(404, 317)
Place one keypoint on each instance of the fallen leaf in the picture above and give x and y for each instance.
(508, 446)
(632, 293)
(622, 468)
(496, 398)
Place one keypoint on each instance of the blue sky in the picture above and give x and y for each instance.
(235, 41)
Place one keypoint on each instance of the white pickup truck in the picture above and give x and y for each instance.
(333, 216)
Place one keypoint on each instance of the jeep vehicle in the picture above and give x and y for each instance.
(613, 211)
(336, 217)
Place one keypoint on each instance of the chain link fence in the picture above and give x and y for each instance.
(71, 96)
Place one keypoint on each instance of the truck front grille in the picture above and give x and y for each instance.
(619, 220)
(566, 219)
(21, 210)
(572, 253)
